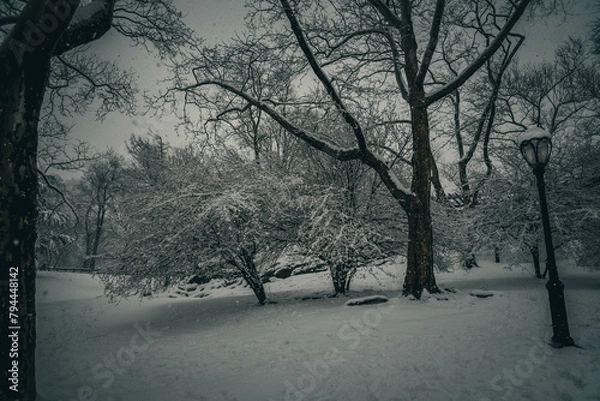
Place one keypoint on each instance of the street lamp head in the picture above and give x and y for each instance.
(536, 147)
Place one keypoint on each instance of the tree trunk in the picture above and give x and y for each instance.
(340, 277)
(419, 265)
(21, 91)
(94, 243)
(24, 68)
(351, 274)
(253, 279)
(244, 262)
(97, 236)
(535, 253)
(497, 255)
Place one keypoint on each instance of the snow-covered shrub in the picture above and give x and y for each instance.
(208, 217)
(344, 242)
(56, 223)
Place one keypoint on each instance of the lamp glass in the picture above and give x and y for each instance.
(528, 151)
(544, 148)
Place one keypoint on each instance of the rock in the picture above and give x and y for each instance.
(481, 293)
(370, 300)
(189, 287)
(197, 279)
(283, 272)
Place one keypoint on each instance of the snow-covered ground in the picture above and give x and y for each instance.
(225, 347)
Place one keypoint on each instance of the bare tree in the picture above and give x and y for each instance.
(474, 110)
(364, 56)
(98, 189)
(559, 96)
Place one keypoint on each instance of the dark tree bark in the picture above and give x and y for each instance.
(92, 240)
(535, 254)
(419, 265)
(341, 276)
(338, 278)
(243, 260)
(351, 274)
(24, 68)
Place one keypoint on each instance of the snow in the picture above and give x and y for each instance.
(533, 132)
(225, 347)
(87, 11)
(392, 176)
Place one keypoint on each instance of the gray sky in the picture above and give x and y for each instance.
(219, 20)
(212, 20)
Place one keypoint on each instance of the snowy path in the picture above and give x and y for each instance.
(226, 348)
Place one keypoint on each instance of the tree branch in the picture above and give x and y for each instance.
(324, 146)
(19, 45)
(433, 40)
(337, 100)
(483, 57)
(401, 193)
(62, 195)
(397, 69)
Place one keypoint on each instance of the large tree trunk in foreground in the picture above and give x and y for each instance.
(24, 68)
(21, 92)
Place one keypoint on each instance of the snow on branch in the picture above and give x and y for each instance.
(89, 23)
(88, 11)
(389, 178)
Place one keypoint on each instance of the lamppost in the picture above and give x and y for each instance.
(536, 147)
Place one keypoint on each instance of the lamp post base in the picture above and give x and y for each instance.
(560, 325)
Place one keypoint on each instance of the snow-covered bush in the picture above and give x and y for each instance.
(343, 241)
(56, 235)
(207, 218)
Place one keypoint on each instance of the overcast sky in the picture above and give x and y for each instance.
(220, 19)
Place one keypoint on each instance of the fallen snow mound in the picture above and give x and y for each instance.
(372, 299)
